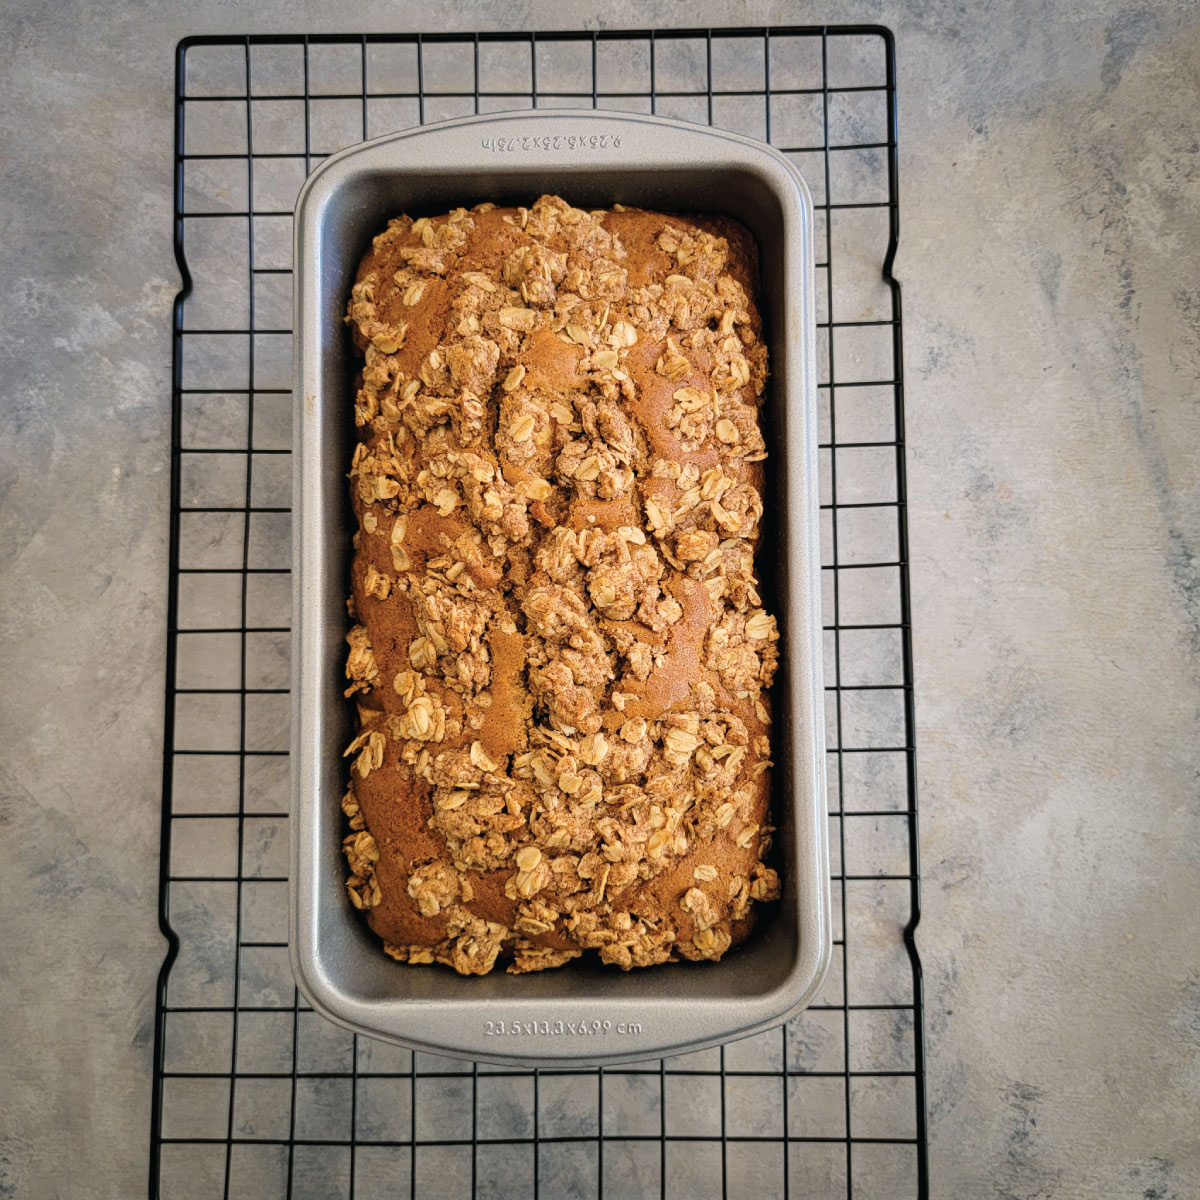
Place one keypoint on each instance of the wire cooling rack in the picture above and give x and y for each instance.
(255, 1095)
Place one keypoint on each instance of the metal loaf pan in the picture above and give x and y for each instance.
(580, 1013)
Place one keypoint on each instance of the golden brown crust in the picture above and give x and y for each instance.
(560, 657)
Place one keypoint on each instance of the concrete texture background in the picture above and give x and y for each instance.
(1051, 214)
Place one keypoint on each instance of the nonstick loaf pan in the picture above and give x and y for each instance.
(583, 1012)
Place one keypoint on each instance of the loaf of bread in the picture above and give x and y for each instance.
(560, 656)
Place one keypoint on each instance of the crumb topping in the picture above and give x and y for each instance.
(561, 658)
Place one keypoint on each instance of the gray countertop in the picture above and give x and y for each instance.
(1050, 175)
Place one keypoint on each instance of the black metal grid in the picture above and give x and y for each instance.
(255, 1095)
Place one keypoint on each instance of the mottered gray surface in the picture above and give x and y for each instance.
(1048, 165)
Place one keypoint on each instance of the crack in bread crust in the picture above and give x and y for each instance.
(560, 657)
